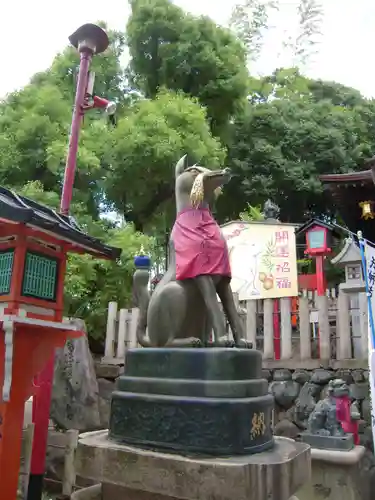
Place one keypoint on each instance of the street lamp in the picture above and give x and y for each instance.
(89, 39)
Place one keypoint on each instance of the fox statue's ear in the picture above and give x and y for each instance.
(182, 164)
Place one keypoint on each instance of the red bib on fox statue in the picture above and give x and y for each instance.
(199, 245)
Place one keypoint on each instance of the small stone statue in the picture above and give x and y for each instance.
(271, 211)
(334, 417)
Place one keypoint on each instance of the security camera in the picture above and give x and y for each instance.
(102, 103)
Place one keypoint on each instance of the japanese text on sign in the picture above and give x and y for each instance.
(281, 237)
(371, 276)
(283, 268)
(258, 425)
(263, 260)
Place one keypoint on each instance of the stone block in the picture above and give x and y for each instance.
(285, 393)
(108, 371)
(322, 376)
(337, 475)
(360, 390)
(282, 375)
(148, 475)
(91, 493)
(301, 376)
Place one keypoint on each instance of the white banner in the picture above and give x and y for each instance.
(370, 280)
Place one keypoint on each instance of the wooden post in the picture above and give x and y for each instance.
(304, 328)
(286, 328)
(268, 328)
(324, 331)
(363, 319)
(69, 478)
(343, 340)
(121, 339)
(27, 448)
(133, 328)
(111, 331)
(251, 322)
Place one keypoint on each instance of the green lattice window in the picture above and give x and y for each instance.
(40, 277)
(6, 269)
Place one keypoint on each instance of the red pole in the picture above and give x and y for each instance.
(276, 329)
(71, 161)
(320, 278)
(44, 381)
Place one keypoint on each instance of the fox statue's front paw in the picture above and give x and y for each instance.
(197, 343)
(244, 344)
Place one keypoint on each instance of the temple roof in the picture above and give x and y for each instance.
(18, 209)
(317, 222)
(347, 191)
(349, 254)
(364, 176)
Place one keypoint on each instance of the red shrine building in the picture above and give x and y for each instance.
(354, 196)
(34, 244)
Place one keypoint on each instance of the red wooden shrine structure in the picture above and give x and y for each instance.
(34, 244)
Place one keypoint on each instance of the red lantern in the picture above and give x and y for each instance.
(317, 241)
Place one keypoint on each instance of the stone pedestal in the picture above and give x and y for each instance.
(338, 475)
(335, 443)
(211, 401)
(129, 473)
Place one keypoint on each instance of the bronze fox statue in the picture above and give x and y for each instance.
(183, 310)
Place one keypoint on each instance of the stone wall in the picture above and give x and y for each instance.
(297, 391)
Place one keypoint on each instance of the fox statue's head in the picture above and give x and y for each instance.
(201, 184)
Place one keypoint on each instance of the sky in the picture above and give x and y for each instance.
(32, 32)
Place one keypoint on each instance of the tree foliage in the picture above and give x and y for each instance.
(172, 49)
(287, 138)
(158, 132)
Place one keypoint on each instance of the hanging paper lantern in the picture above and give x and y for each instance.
(367, 212)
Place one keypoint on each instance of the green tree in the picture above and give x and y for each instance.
(284, 141)
(91, 283)
(172, 49)
(145, 147)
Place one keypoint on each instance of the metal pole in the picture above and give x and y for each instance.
(71, 161)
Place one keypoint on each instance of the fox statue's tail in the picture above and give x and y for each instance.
(141, 297)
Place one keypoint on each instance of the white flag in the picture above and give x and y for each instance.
(370, 279)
